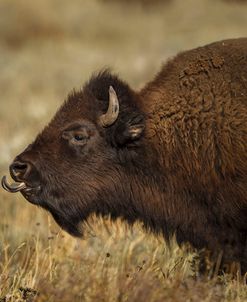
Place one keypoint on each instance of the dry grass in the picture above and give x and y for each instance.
(47, 48)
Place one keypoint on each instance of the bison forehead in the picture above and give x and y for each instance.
(79, 105)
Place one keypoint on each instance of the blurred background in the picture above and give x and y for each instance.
(47, 48)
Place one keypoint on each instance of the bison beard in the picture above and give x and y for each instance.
(173, 156)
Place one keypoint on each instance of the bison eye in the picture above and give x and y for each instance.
(78, 137)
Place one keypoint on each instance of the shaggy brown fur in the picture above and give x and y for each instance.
(197, 122)
(175, 159)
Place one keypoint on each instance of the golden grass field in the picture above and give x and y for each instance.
(46, 49)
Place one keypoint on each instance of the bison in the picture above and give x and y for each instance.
(172, 155)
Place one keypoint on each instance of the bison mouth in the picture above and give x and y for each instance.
(14, 187)
(28, 191)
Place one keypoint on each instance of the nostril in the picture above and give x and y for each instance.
(18, 168)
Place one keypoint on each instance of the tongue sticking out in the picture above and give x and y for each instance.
(14, 187)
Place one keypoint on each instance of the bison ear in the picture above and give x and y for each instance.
(129, 131)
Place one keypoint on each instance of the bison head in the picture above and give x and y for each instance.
(84, 161)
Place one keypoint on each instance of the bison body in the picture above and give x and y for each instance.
(173, 155)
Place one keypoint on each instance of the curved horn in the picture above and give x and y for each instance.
(13, 188)
(111, 115)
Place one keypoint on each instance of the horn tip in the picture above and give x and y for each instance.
(111, 90)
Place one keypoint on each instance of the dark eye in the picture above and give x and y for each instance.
(78, 137)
